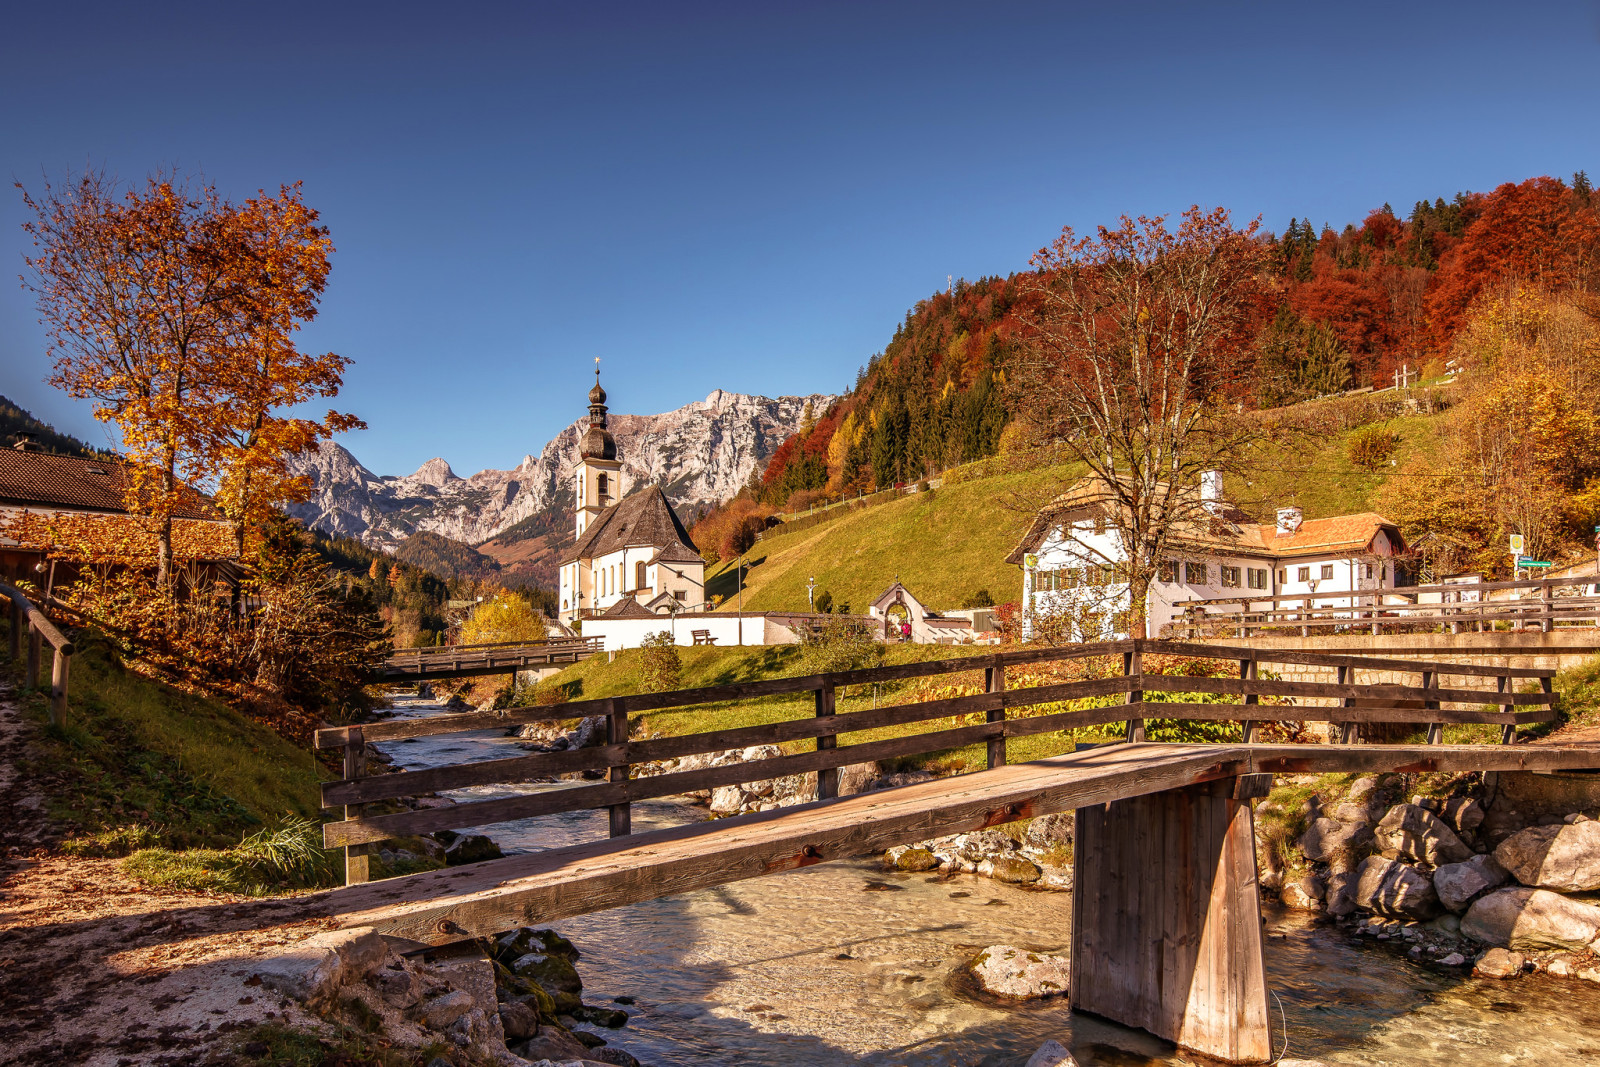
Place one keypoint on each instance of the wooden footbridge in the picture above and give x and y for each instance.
(1165, 928)
(461, 661)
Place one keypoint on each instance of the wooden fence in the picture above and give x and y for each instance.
(1354, 703)
(1544, 604)
(27, 619)
(497, 657)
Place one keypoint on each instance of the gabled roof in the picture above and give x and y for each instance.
(644, 519)
(42, 480)
(676, 553)
(627, 608)
(1229, 531)
(895, 592)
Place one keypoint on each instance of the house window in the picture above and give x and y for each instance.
(638, 575)
(1303, 574)
(1195, 573)
(1369, 570)
(1168, 571)
(1327, 572)
(1230, 576)
(1258, 577)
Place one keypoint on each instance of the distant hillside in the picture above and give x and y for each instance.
(14, 419)
(446, 558)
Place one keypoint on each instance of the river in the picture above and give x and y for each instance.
(844, 963)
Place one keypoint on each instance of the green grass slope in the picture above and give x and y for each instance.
(184, 769)
(944, 545)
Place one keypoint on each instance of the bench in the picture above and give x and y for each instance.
(703, 637)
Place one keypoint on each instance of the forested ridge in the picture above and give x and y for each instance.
(1339, 310)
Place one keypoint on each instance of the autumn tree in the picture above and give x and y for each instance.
(174, 310)
(1136, 352)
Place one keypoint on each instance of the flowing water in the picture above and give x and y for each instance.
(844, 963)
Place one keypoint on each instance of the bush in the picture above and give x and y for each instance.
(507, 617)
(1371, 446)
(981, 599)
(824, 602)
(263, 863)
(661, 668)
(839, 644)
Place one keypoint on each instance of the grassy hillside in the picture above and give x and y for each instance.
(136, 753)
(944, 545)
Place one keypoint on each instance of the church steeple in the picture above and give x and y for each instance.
(597, 482)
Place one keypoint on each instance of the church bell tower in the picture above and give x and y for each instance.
(598, 476)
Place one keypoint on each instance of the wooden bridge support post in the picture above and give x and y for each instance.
(1249, 671)
(1546, 606)
(1430, 680)
(35, 655)
(1508, 732)
(827, 777)
(994, 681)
(617, 734)
(355, 765)
(1133, 667)
(19, 621)
(1166, 919)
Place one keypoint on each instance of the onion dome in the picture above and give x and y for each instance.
(597, 443)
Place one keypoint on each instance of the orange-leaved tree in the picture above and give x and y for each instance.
(1136, 352)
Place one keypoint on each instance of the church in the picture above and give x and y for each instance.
(632, 557)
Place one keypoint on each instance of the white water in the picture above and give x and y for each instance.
(844, 963)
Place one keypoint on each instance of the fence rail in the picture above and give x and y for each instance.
(27, 619)
(1400, 609)
(1350, 703)
(486, 658)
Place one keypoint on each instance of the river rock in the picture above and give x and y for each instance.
(858, 778)
(1498, 963)
(1327, 838)
(1412, 832)
(1343, 879)
(1459, 884)
(1397, 890)
(1012, 869)
(913, 858)
(1531, 919)
(1304, 893)
(1564, 857)
(461, 849)
(1362, 788)
(1350, 812)
(518, 1020)
(1051, 1054)
(1048, 831)
(1463, 813)
(1017, 974)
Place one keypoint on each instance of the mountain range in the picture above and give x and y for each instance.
(700, 454)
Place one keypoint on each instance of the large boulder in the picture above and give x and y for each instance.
(1051, 1054)
(1462, 813)
(1343, 879)
(1415, 833)
(1563, 857)
(1303, 893)
(1498, 963)
(1531, 919)
(1017, 974)
(1326, 839)
(1397, 890)
(1459, 884)
(1012, 869)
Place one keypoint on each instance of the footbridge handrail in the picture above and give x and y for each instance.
(1345, 701)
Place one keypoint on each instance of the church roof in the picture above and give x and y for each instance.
(676, 553)
(643, 520)
(627, 608)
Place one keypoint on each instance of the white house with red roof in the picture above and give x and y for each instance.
(1069, 559)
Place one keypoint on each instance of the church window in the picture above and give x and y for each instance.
(638, 575)
(600, 487)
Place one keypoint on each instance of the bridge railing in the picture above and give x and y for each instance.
(1347, 701)
(501, 656)
(27, 621)
(1543, 604)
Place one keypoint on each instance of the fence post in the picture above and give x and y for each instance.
(1430, 679)
(1248, 670)
(617, 734)
(1508, 731)
(827, 777)
(355, 765)
(18, 619)
(1133, 667)
(1546, 605)
(58, 687)
(994, 681)
(1347, 730)
(35, 654)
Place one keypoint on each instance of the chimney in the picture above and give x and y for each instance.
(24, 442)
(1289, 520)
(1211, 491)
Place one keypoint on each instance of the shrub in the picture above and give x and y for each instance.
(266, 862)
(981, 599)
(506, 617)
(839, 644)
(661, 668)
(1371, 446)
(824, 602)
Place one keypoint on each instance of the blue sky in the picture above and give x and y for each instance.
(745, 196)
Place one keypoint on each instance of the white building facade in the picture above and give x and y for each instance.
(1072, 555)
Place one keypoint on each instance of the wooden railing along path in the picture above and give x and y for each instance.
(1538, 604)
(412, 664)
(1351, 703)
(26, 618)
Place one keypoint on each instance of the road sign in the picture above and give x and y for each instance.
(1030, 560)
(1517, 543)
(1536, 563)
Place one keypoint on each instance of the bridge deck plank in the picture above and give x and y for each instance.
(443, 906)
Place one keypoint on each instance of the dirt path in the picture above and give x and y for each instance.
(101, 970)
